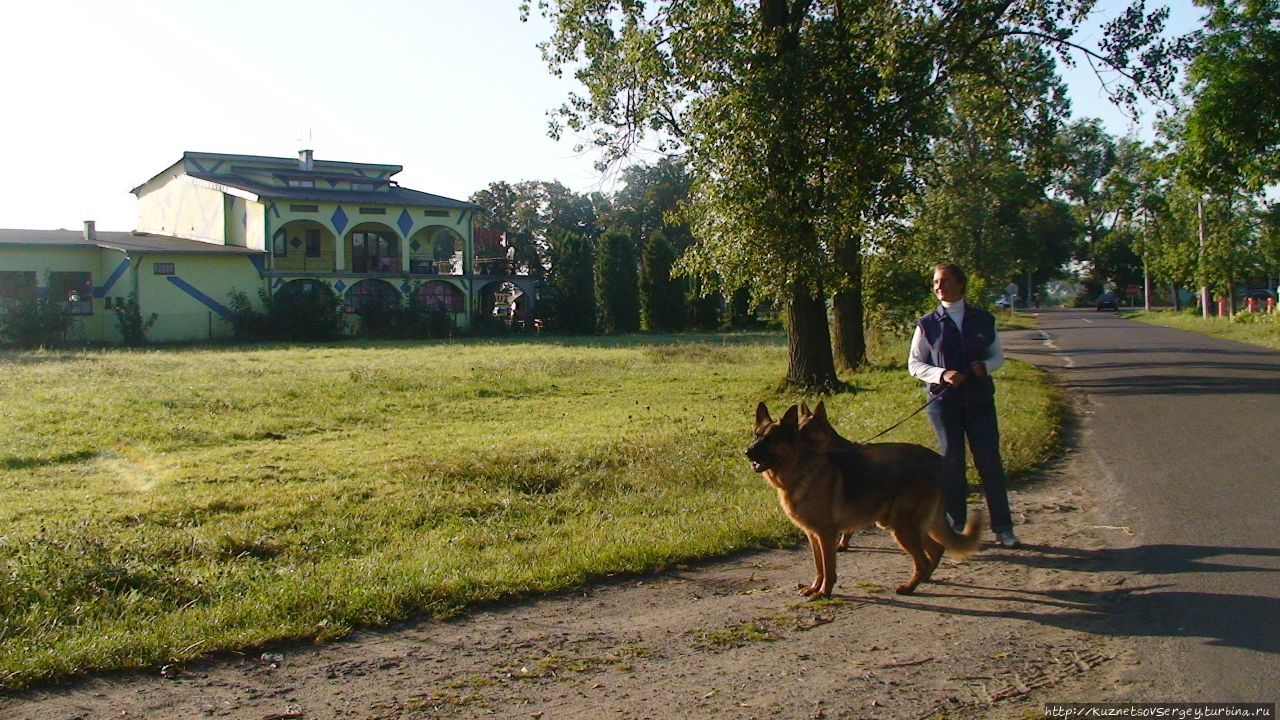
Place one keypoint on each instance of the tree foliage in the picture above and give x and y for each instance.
(662, 297)
(573, 282)
(804, 122)
(1232, 131)
(616, 289)
(532, 214)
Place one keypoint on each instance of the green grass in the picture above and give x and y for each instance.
(1015, 320)
(1250, 328)
(157, 505)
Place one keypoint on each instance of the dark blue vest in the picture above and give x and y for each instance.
(954, 349)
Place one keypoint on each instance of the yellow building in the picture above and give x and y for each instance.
(213, 224)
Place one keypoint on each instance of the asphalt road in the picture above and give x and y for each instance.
(1185, 430)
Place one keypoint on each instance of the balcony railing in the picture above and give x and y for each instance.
(493, 266)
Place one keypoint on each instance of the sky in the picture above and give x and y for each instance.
(102, 95)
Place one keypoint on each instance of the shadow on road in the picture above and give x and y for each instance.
(1125, 609)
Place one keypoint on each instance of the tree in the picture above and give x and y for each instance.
(572, 282)
(803, 122)
(1232, 131)
(650, 201)
(532, 214)
(617, 297)
(662, 305)
(987, 177)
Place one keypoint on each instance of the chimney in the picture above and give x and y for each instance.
(305, 161)
(89, 233)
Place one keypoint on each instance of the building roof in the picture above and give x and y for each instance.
(124, 241)
(396, 195)
(234, 171)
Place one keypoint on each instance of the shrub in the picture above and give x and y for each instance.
(311, 313)
(35, 323)
(415, 320)
(132, 327)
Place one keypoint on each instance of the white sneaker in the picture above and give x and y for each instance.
(1006, 538)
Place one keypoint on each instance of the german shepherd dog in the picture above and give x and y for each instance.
(828, 486)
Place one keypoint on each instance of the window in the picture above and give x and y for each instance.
(441, 296)
(373, 211)
(304, 208)
(279, 244)
(445, 245)
(358, 186)
(313, 242)
(298, 183)
(374, 251)
(162, 268)
(16, 288)
(436, 213)
(73, 291)
(370, 296)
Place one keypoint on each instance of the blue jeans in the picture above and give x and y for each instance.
(952, 422)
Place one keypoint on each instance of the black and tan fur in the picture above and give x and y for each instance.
(828, 486)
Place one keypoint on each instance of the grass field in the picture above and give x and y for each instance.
(157, 505)
(1254, 329)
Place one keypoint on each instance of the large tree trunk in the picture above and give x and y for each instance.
(850, 337)
(809, 342)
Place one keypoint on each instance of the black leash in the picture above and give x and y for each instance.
(930, 401)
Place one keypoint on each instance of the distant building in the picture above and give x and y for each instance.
(213, 224)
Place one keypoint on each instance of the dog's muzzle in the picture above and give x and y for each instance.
(758, 456)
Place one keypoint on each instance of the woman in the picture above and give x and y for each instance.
(954, 350)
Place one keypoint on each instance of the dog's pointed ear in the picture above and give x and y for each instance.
(804, 409)
(762, 415)
(820, 411)
(791, 418)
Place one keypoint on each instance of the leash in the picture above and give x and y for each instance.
(932, 399)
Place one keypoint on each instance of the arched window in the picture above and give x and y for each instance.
(306, 291)
(446, 243)
(440, 296)
(372, 295)
(375, 251)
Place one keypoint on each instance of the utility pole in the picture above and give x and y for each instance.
(1204, 291)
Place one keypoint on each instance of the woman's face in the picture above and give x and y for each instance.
(946, 286)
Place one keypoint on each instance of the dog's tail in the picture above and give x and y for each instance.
(964, 544)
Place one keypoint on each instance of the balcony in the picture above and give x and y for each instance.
(493, 266)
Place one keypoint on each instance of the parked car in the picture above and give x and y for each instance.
(1002, 302)
(1107, 301)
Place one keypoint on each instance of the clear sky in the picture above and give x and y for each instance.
(101, 95)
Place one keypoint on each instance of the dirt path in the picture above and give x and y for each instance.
(996, 637)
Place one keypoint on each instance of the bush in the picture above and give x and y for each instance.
(132, 327)
(306, 313)
(412, 321)
(36, 323)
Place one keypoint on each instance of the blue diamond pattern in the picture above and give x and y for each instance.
(340, 286)
(405, 287)
(296, 243)
(405, 222)
(415, 245)
(339, 219)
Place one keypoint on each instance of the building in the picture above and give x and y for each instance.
(211, 225)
